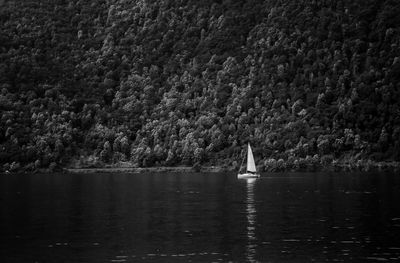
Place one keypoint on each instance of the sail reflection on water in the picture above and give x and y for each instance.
(251, 221)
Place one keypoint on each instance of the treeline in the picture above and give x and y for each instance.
(165, 83)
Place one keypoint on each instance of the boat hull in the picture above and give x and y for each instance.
(247, 175)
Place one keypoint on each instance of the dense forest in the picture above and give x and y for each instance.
(181, 82)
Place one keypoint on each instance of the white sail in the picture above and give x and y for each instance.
(251, 166)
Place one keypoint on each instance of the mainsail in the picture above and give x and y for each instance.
(251, 166)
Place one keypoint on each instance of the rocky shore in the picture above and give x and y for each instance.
(269, 165)
(180, 169)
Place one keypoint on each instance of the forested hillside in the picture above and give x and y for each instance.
(174, 82)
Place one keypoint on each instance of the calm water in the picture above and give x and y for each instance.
(200, 217)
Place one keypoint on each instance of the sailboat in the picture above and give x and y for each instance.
(251, 170)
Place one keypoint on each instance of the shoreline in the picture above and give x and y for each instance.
(136, 170)
(336, 167)
(272, 167)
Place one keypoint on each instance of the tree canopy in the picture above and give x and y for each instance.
(189, 82)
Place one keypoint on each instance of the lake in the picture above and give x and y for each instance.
(287, 217)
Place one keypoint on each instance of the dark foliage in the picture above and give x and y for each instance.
(188, 82)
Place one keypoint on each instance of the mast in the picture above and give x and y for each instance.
(251, 166)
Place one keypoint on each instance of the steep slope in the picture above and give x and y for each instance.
(184, 82)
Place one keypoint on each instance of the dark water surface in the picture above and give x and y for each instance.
(200, 217)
